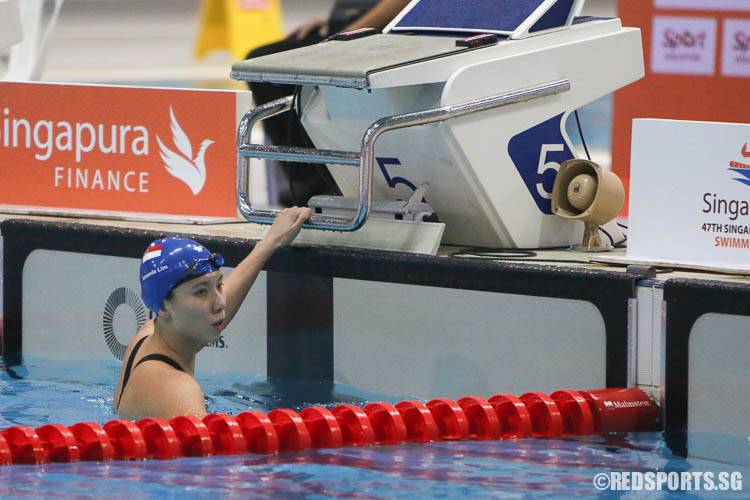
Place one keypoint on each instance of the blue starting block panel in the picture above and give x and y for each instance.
(516, 18)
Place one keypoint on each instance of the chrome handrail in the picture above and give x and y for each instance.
(365, 158)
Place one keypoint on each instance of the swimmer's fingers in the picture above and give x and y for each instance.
(321, 25)
(287, 225)
(294, 216)
(302, 214)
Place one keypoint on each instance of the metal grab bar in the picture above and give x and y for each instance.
(366, 157)
(290, 153)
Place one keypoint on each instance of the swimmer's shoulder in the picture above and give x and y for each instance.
(160, 390)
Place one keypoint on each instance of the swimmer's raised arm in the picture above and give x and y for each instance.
(379, 16)
(284, 229)
(181, 283)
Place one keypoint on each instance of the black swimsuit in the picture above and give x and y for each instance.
(156, 357)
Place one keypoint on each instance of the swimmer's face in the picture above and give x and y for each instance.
(197, 308)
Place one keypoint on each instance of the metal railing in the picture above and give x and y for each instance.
(364, 158)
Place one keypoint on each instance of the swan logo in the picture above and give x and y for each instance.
(181, 164)
(743, 169)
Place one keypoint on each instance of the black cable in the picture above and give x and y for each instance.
(664, 270)
(611, 240)
(12, 374)
(623, 243)
(289, 124)
(328, 179)
(496, 252)
(502, 253)
(516, 254)
(521, 259)
(580, 132)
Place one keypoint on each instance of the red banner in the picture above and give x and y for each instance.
(697, 55)
(118, 149)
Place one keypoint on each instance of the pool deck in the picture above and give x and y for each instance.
(305, 274)
(242, 230)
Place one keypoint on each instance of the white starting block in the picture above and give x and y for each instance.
(479, 119)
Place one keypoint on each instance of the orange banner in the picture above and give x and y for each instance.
(697, 55)
(118, 149)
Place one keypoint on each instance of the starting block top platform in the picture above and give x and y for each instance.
(415, 58)
(354, 60)
(425, 31)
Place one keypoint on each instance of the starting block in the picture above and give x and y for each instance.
(481, 119)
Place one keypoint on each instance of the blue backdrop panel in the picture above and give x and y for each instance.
(469, 15)
(556, 16)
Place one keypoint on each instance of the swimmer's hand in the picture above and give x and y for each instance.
(319, 25)
(286, 227)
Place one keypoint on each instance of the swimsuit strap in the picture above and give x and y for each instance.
(149, 357)
(160, 357)
(129, 367)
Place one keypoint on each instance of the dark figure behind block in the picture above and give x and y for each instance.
(307, 180)
(304, 179)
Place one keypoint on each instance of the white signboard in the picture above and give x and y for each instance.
(102, 310)
(704, 4)
(735, 58)
(683, 45)
(690, 194)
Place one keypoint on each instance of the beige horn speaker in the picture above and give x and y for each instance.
(585, 191)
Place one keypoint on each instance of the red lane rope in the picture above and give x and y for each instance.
(534, 414)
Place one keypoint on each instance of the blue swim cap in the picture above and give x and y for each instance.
(169, 262)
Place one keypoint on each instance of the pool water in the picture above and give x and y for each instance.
(44, 391)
